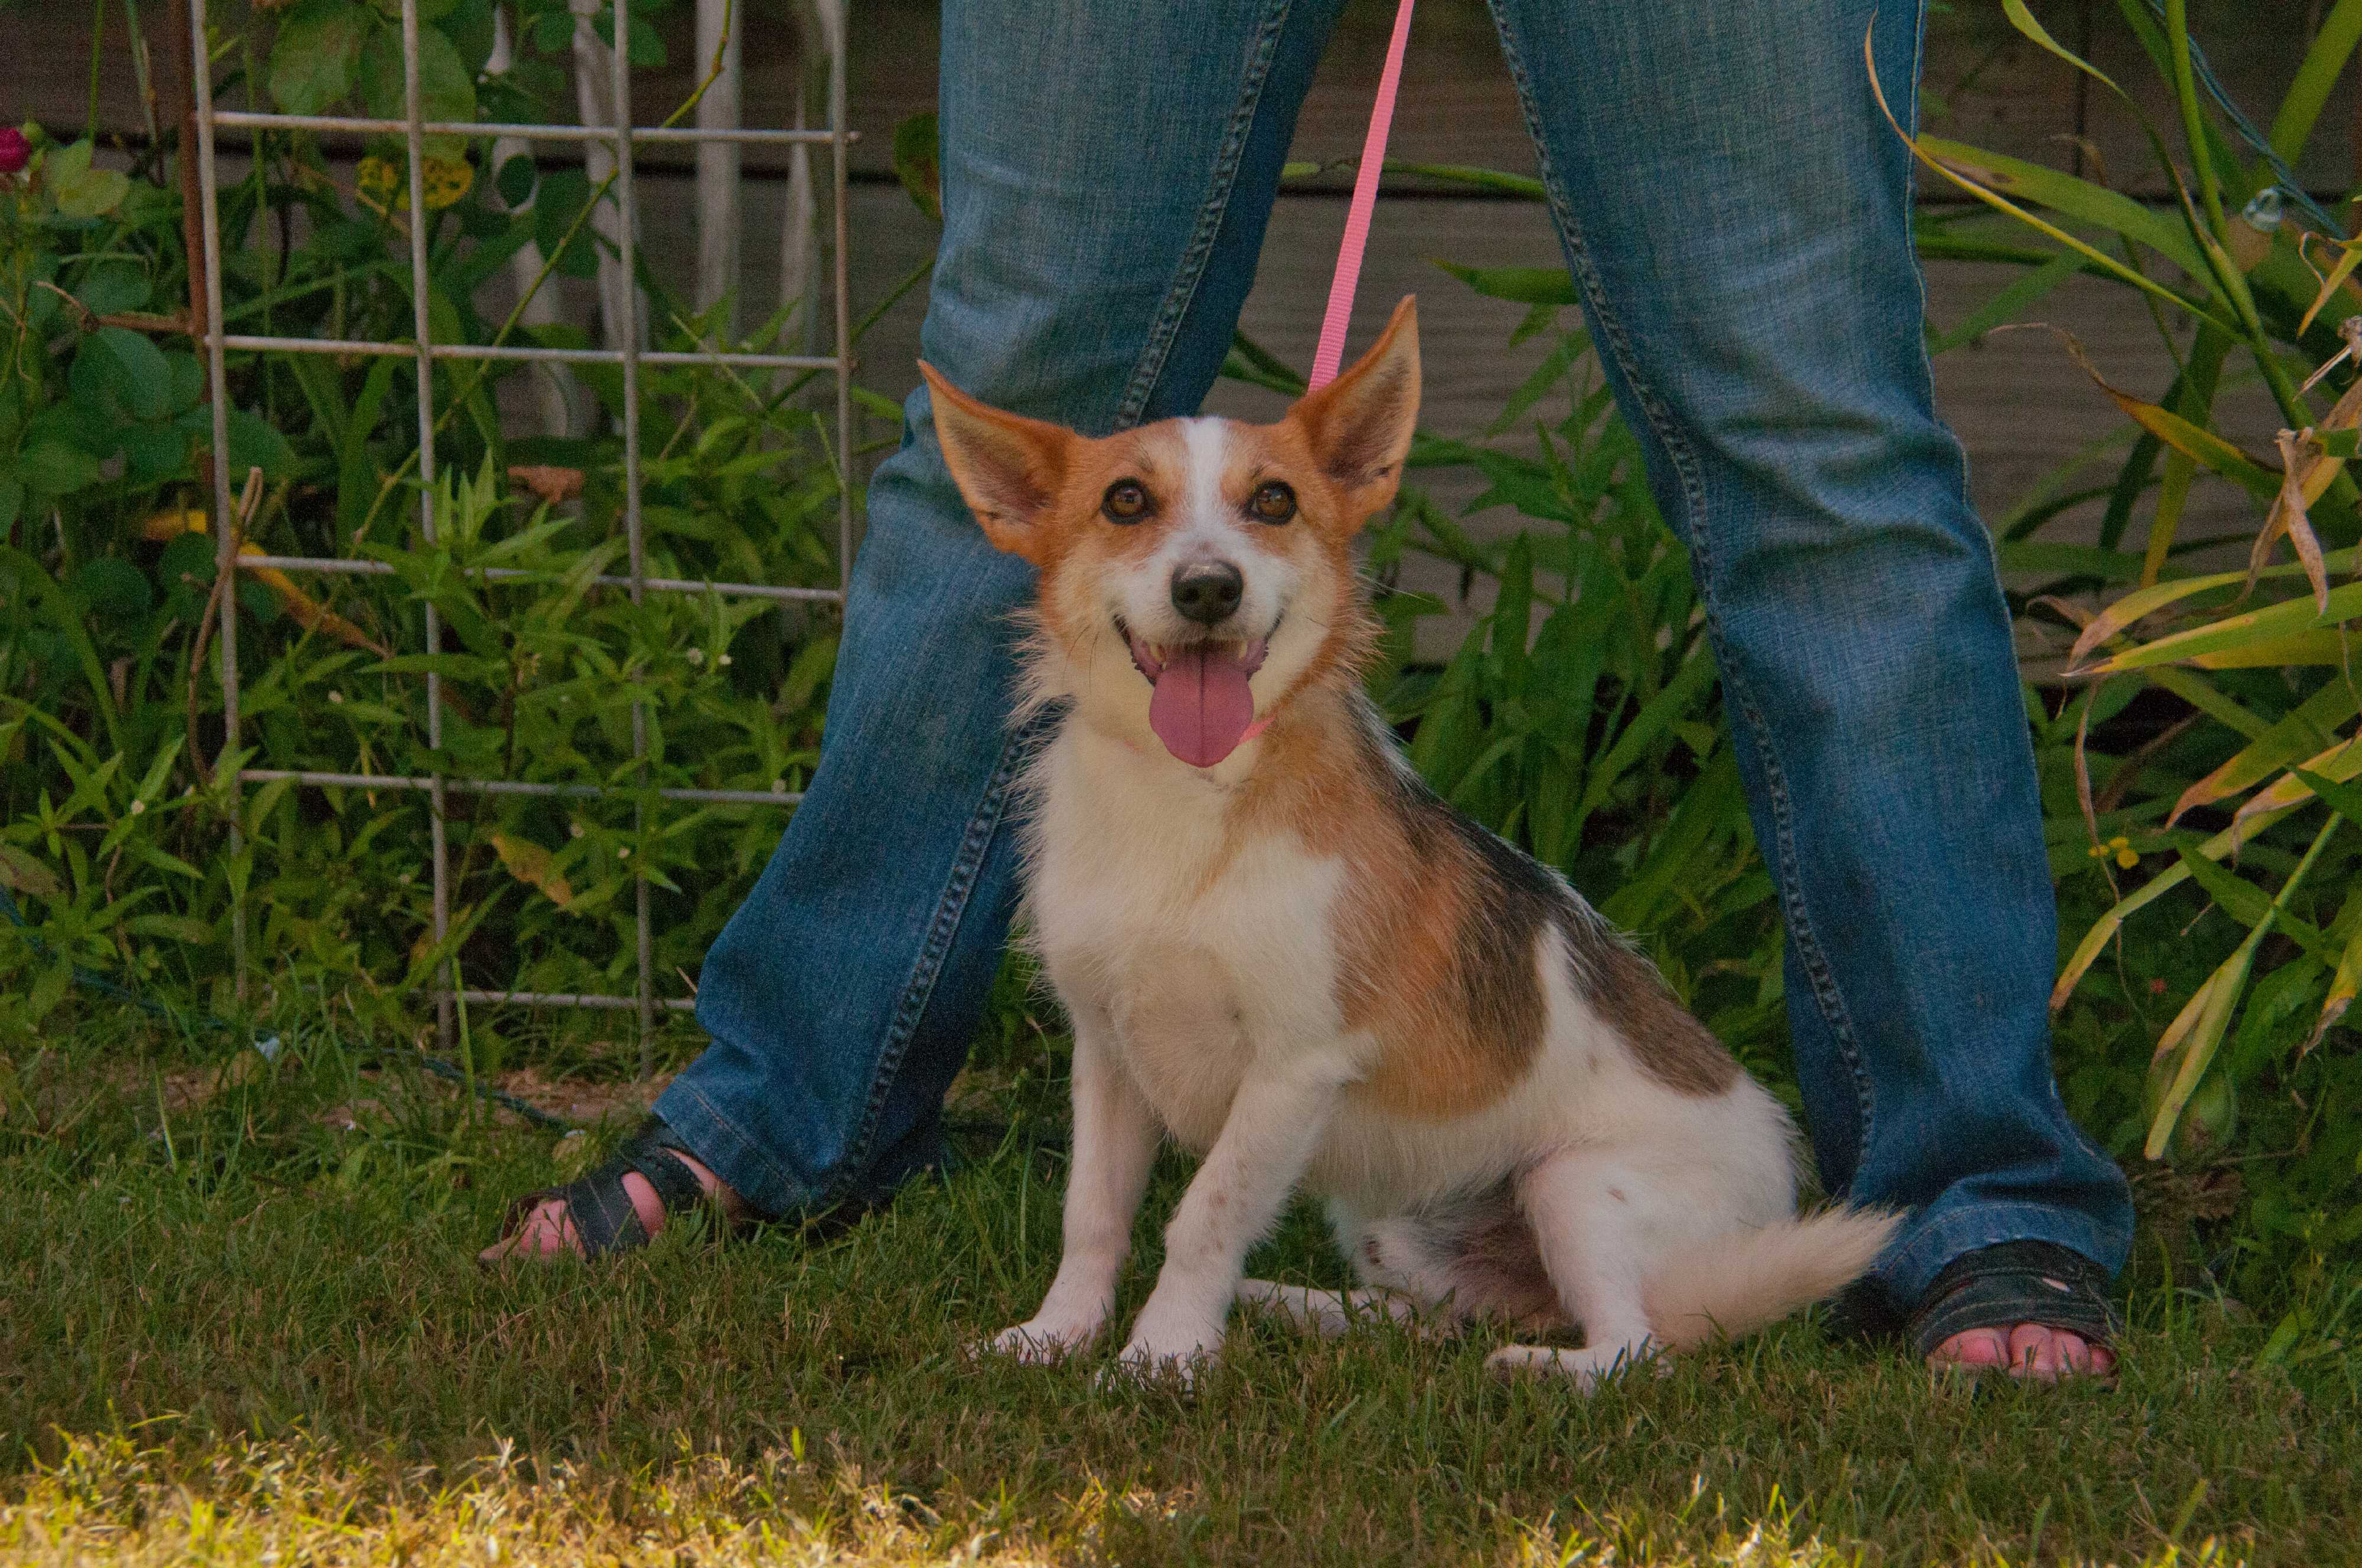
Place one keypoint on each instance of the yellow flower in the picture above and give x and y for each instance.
(2120, 848)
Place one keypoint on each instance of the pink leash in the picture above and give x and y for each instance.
(1331, 352)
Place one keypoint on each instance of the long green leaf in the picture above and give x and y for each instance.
(1678, 696)
(2067, 561)
(2315, 78)
(2303, 732)
(2193, 116)
(2148, 601)
(2248, 904)
(2083, 201)
(2340, 765)
(2223, 990)
(2291, 616)
(2268, 804)
(1520, 285)
(2025, 291)
(2201, 377)
(2344, 798)
(65, 619)
(2023, 20)
(1523, 187)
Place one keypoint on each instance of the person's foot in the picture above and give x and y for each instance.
(547, 1231)
(2029, 1350)
(2034, 1310)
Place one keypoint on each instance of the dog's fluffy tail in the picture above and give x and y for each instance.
(1738, 1283)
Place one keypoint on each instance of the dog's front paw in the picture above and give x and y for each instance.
(1169, 1346)
(1042, 1340)
(1172, 1366)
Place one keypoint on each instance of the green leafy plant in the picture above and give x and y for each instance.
(112, 758)
(2240, 952)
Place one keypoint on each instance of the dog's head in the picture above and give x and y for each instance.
(1196, 572)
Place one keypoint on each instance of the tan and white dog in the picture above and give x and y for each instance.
(1278, 947)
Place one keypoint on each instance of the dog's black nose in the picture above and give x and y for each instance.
(1207, 591)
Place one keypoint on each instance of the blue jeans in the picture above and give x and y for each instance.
(1736, 215)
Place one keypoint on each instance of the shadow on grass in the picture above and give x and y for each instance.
(266, 1332)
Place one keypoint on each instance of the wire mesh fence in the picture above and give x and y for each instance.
(623, 351)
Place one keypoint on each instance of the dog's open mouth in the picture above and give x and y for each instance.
(1201, 708)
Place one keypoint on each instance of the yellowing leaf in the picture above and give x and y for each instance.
(2312, 725)
(21, 871)
(383, 185)
(2336, 281)
(531, 864)
(306, 611)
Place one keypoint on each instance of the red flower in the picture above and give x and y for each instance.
(14, 151)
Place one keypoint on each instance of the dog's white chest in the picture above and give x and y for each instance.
(1185, 945)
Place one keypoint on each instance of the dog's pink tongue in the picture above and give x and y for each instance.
(1201, 706)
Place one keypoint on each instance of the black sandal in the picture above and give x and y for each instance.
(600, 1210)
(2015, 1282)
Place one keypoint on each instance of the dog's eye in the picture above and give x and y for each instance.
(1272, 502)
(1125, 501)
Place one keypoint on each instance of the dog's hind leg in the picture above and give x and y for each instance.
(1595, 1248)
(1327, 1313)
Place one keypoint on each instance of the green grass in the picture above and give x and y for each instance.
(232, 1329)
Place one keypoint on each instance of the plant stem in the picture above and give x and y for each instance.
(98, 52)
(2193, 119)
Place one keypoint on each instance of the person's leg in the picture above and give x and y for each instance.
(1737, 212)
(1107, 172)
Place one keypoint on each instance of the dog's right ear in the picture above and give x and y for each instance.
(1010, 468)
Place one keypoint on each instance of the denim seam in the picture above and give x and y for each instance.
(919, 989)
(1684, 460)
(742, 1147)
(1912, 1263)
(1166, 328)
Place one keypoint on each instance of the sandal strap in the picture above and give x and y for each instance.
(2012, 1283)
(604, 1219)
(651, 1151)
(601, 1208)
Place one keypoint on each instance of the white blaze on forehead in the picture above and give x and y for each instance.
(1205, 516)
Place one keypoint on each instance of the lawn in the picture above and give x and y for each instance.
(241, 1321)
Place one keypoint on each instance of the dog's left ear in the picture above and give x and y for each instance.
(1359, 426)
(1010, 468)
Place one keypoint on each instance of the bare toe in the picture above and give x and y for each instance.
(1976, 1349)
(2047, 1354)
(2033, 1352)
(2029, 1350)
(546, 1232)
